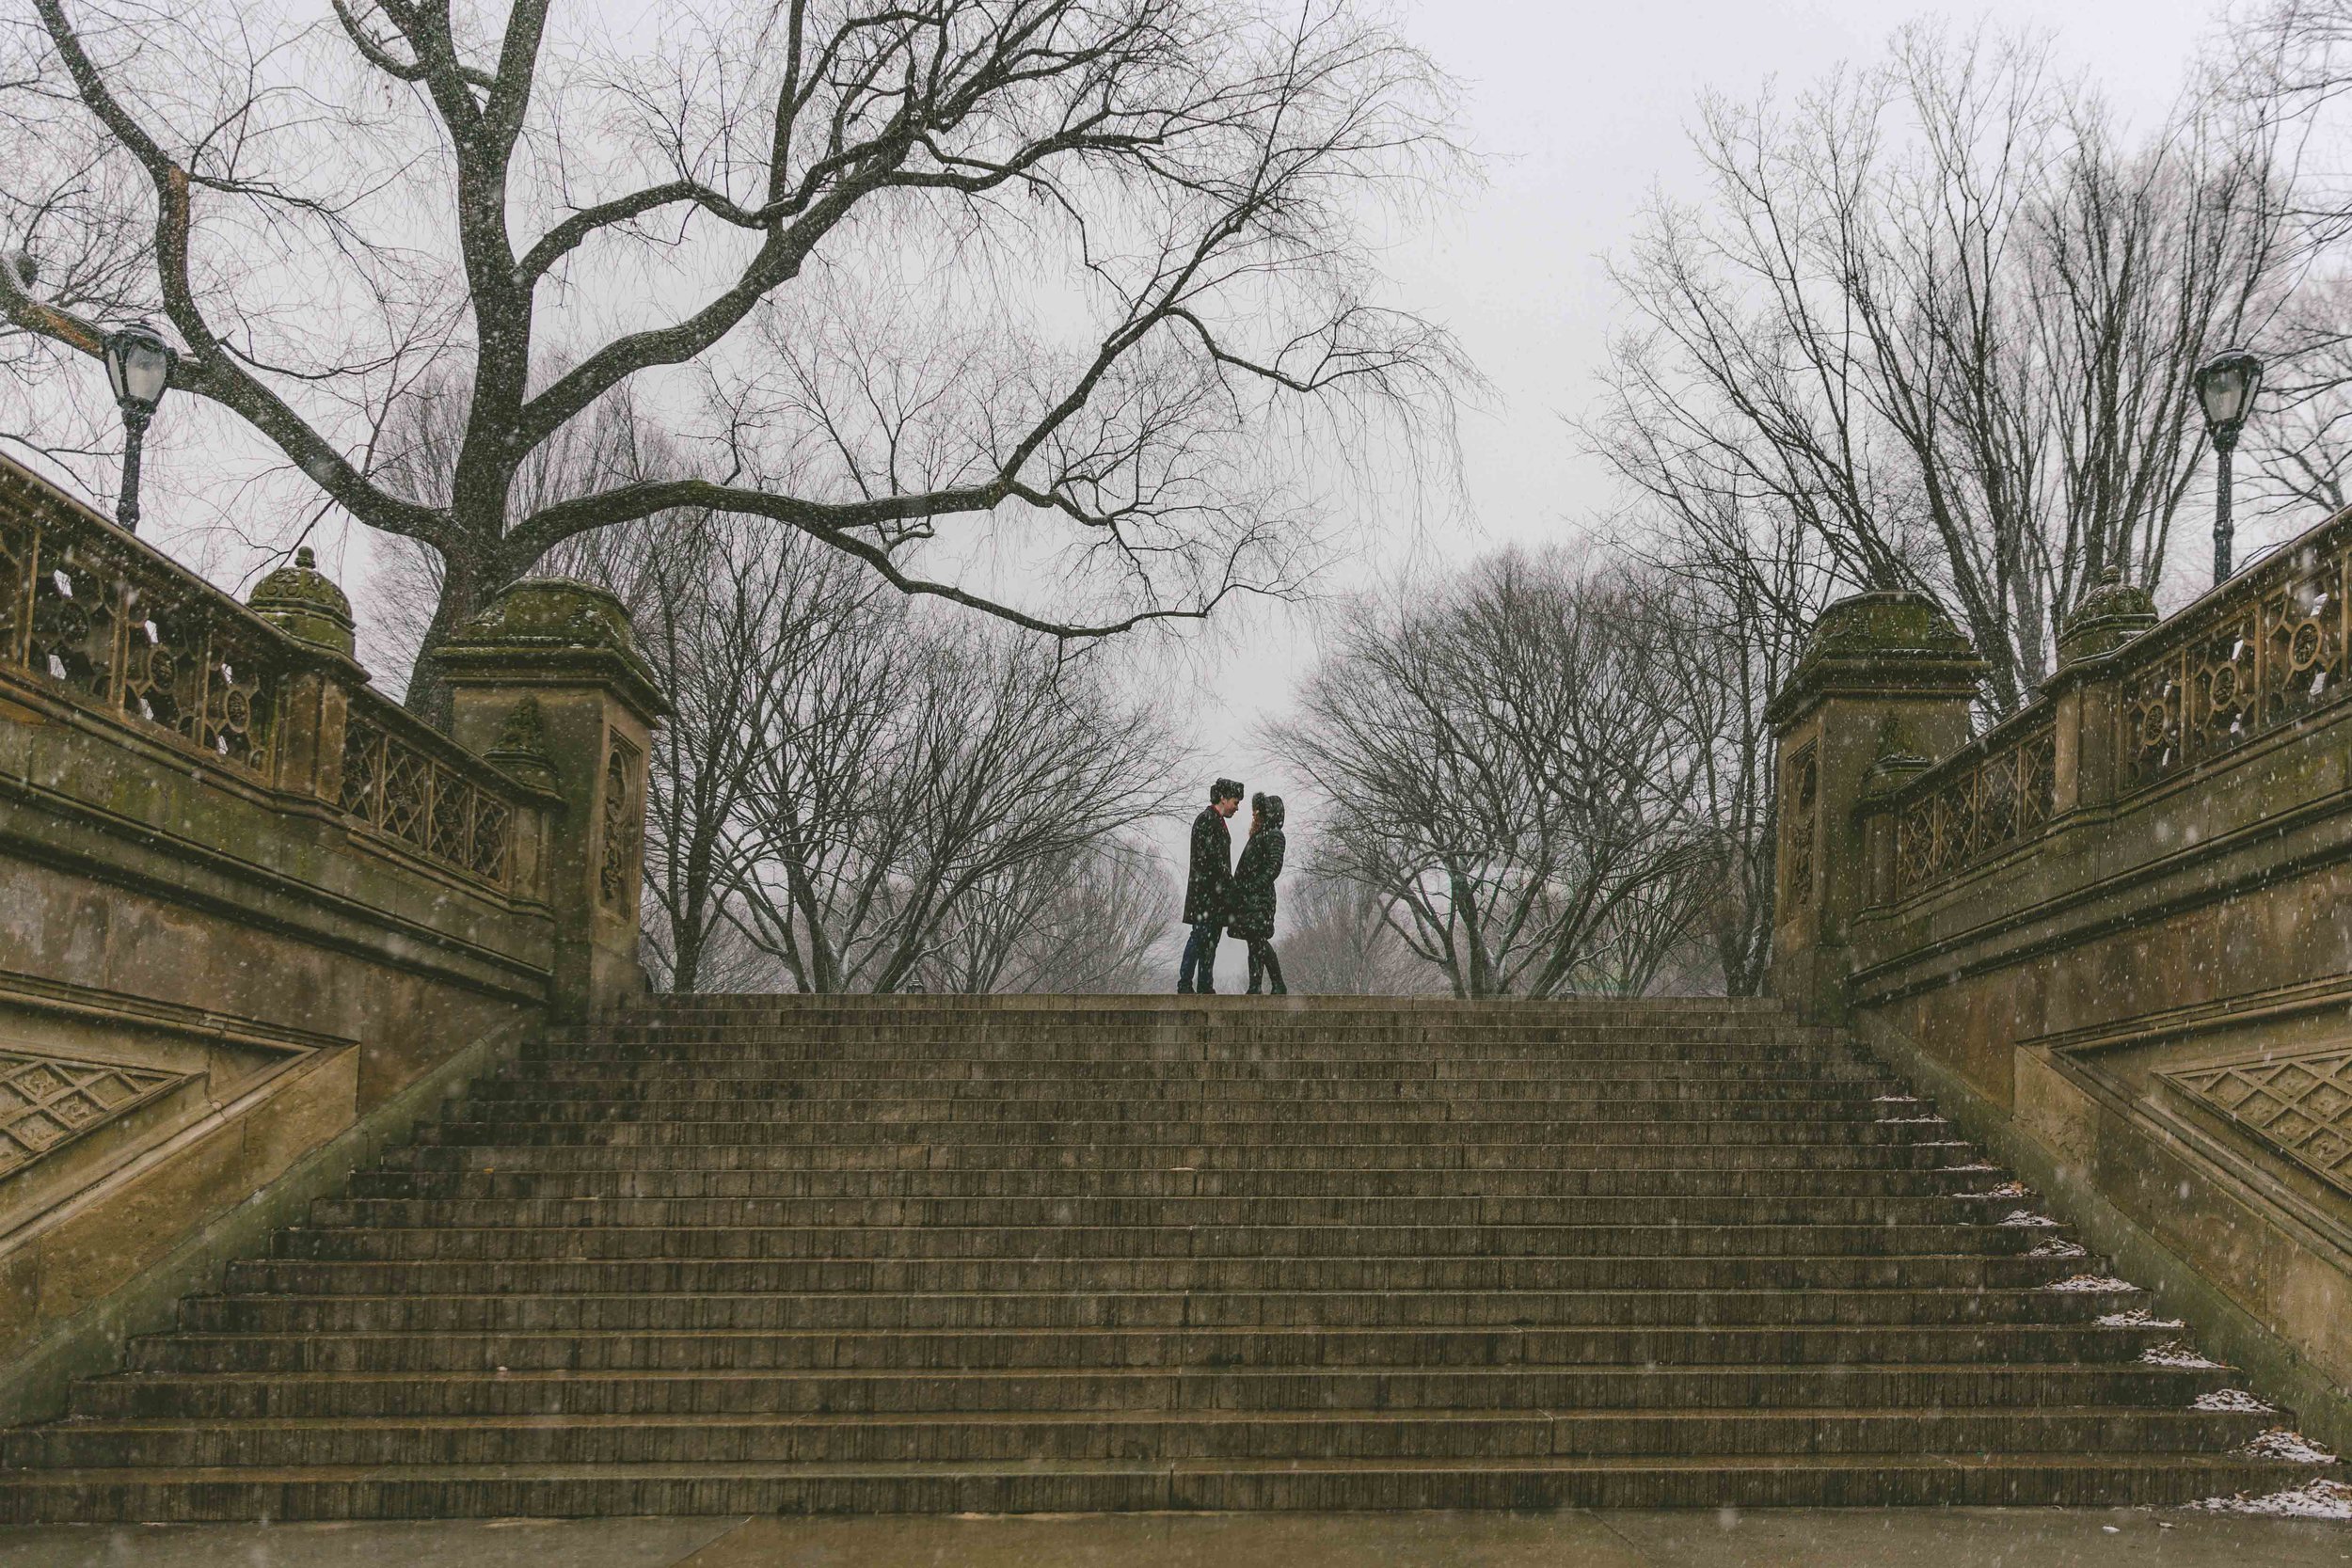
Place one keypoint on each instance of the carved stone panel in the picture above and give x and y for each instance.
(49, 1100)
(2303, 1104)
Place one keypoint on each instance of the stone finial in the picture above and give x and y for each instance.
(302, 602)
(561, 629)
(1889, 642)
(520, 749)
(2109, 616)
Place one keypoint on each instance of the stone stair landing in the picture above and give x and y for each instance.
(761, 1254)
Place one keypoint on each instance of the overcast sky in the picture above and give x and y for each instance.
(1578, 111)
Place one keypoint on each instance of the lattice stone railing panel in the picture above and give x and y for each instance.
(49, 1100)
(2251, 660)
(437, 811)
(1997, 795)
(119, 627)
(2303, 1104)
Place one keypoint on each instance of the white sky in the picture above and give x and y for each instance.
(1578, 111)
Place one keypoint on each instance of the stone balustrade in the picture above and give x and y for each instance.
(254, 907)
(2109, 930)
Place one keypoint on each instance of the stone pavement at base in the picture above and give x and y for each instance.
(1792, 1538)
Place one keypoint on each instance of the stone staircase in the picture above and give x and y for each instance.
(760, 1255)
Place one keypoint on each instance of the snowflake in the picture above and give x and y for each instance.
(2085, 1283)
(2290, 1448)
(2234, 1402)
(2321, 1499)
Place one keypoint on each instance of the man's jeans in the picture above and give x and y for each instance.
(1199, 958)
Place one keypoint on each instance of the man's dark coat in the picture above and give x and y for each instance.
(1252, 914)
(1211, 880)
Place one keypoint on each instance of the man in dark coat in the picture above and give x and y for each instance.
(1252, 904)
(1206, 886)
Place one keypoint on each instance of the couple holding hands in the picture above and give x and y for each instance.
(1222, 897)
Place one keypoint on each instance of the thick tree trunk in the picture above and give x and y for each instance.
(467, 581)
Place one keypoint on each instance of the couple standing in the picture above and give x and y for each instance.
(1220, 896)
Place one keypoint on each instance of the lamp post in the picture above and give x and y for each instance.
(2226, 385)
(138, 365)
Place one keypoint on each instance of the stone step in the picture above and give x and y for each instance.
(1292, 1154)
(1163, 1310)
(842, 1074)
(1057, 1276)
(961, 1350)
(1466, 1112)
(395, 1178)
(1080, 1051)
(472, 1125)
(201, 1396)
(501, 1491)
(1000, 1096)
(965, 1213)
(904, 1242)
(1098, 1435)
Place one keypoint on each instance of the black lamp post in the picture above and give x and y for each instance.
(138, 364)
(2226, 385)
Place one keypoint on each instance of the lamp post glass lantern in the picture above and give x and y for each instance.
(138, 367)
(2226, 385)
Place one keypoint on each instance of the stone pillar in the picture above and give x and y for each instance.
(314, 699)
(1885, 681)
(2085, 694)
(546, 682)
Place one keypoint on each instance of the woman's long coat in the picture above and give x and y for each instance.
(1252, 908)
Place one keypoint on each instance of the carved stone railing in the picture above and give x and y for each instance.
(92, 612)
(1996, 793)
(407, 782)
(2267, 650)
(89, 613)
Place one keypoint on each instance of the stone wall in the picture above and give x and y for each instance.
(2112, 933)
(248, 900)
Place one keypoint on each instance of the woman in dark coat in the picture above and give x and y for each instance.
(1252, 898)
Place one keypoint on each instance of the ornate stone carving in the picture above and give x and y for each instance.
(623, 821)
(396, 789)
(301, 601)
(2246, 662)
(1995, 795)
(1800, 805)
(2303, 1104)
(49, 1100)
(99, 618)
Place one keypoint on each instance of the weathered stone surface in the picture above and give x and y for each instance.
(920, 1255)
(2090, 912)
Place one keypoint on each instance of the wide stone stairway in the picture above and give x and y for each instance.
(757, 1254)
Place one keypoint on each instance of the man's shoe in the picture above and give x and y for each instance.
(1183, 990)
(1206, 991)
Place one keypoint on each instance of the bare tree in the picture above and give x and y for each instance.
(1086, 282)
(1084, 923)
(1495, 775)
(917, 767)
(1337, 941)
(1937, 316)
